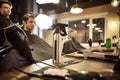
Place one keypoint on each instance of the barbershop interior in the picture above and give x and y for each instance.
(60, 40)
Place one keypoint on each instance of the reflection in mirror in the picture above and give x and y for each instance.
(89, 28)
(98, 29)
(82, 30)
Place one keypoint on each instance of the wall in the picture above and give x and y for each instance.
(109, 12)
(48, 36)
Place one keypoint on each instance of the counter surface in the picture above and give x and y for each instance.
(82, 65)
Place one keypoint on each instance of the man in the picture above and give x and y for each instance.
(28, 21)
(5, 11)
(41, 50)
(13, 36)
(73, 44)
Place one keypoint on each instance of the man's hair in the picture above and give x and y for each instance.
(6, 2)
(28, 15)
(72, 30)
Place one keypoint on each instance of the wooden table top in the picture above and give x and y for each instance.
(84, 65)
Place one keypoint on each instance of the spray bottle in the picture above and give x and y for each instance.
(57, 55)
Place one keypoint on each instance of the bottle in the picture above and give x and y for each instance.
(57, 55)
(108, 43)
(90, 42)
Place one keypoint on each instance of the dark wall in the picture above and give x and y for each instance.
(19, 9)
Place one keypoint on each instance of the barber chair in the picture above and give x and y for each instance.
(116, 68)
(18, 39)
(5, 49)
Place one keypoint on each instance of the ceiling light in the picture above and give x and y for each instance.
(75, 9)
(115, 3)
(47, 1)
(83, 21)
(97, 28)
(56, 1)
(91, 25)
(75, 25)
(100, 30)
(42, 23)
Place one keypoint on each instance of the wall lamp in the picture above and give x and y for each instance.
(115, 3)
(75, 9)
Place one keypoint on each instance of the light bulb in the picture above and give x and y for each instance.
(114, 3)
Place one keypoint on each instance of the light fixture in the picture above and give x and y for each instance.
(75, 9)
(43, 24)
(47, 1)
(56, 1)
(115, 3)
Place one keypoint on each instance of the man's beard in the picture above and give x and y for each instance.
(28, 29)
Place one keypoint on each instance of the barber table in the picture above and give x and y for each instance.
(72, 68)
